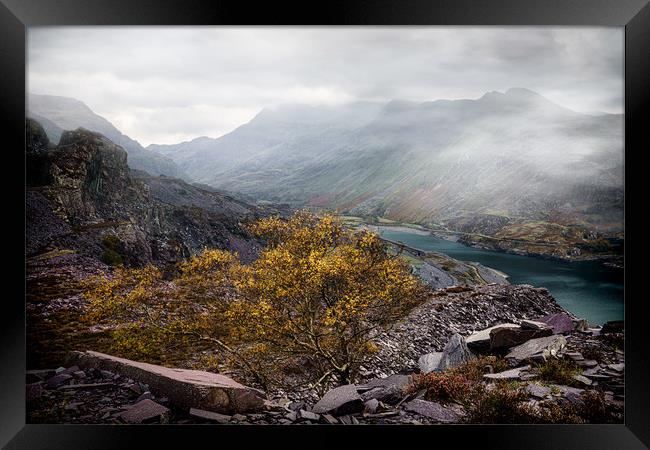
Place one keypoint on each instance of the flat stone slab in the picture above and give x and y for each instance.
(340, 401)
(541, 347)
(512, 374)
(435, 410)
(145, 411)
(185, 388)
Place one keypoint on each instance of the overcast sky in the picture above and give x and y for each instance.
(165, 85)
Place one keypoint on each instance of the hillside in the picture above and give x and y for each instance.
(57, 114)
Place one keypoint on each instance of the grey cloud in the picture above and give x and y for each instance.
(161, 84)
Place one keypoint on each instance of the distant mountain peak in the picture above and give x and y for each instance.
(521, 92)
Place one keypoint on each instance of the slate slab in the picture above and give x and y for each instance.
(185, 388)
(435, 410)
(540, 348)
(339, 401)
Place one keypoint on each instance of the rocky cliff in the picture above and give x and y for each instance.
(81, 195)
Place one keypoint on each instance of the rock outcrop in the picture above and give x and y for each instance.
(429, 327)
(82, 191)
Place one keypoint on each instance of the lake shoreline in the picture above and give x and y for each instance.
(611, 261)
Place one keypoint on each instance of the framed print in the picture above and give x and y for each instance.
(366, 217)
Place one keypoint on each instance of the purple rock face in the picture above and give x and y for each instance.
(561, 322)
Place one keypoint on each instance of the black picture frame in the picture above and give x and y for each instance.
(16, 15)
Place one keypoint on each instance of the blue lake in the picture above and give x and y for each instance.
(586, 288)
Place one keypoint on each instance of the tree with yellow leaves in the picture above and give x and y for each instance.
(317, 294)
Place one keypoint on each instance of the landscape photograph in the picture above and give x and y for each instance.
(405, 225)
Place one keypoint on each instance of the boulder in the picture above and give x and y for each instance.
(509, 337)
(430, 362)
(540, 348)
(340, 401)
(481, 339)
(560, 322)
(455, 353)
(185, 388)
(389, 390)
(434, 410)
(146, 411)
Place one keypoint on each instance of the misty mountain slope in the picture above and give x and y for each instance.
(271, 131)
(515, 154)
(57, 114)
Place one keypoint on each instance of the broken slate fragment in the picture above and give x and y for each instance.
(308, 415)
(560, 322)
(540, 348)
(537, 390)
(58, 380)
(436, 411)
(146, 411)
(210, 415)
(512, 374)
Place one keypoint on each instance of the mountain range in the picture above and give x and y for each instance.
(514, 154)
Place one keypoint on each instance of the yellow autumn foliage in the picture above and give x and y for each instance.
(317, 293)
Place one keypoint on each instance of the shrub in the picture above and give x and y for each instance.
(317, 291)
(443, 386)
(112, 250)
(476, 368)
(560, 371)
(501, 404)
